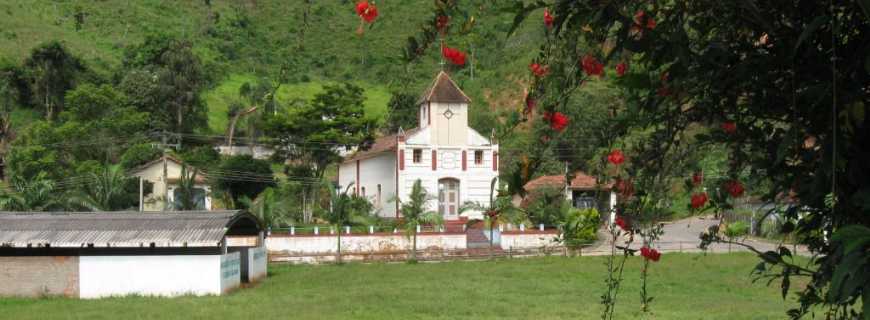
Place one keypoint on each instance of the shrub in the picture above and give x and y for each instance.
(579, 227)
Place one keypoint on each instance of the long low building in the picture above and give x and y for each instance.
(93, 255)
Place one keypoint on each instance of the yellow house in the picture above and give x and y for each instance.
(153, 173)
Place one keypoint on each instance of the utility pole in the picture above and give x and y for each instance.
(165, 145)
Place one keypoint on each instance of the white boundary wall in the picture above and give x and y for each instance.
(363, 243)
(230, 272)
(528, 240)
(257, 263)
(170, 275)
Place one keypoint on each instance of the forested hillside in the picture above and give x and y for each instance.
(316, 41)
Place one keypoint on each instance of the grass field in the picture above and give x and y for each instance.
(685, 286)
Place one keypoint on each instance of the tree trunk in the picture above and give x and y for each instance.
(232, 129)
(338, 258)
(414, 246)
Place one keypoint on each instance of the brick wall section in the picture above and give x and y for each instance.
(39, 276)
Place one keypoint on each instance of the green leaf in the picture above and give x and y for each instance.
(865, 6)
(811, 28)
(866, 303)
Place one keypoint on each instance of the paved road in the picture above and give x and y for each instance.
(683, 236)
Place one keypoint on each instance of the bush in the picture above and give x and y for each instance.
(580, 226)
(737, 229)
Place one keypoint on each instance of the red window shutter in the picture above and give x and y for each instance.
(434, 160)
(464, 158)
(495, 161)
(401, 159)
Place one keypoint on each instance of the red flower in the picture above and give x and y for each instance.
(539, 70)
(650, 254)
(697, 178)
(441, 23)
(641, 20)
(367, 11)
(592, 66)
(548, 19)
(621, 68)
(735, 188)
(729, 127)
(492, 214)
(455, 56)
(650, 23)
(557, 120)
(698, 200)
(622, 224)
(616, 157)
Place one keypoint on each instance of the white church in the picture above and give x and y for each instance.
(455, 163)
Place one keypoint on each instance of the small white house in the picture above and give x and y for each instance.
(454, 162)
(152, 172)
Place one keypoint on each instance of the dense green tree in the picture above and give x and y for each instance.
(138, 154)
(51, 71)
(242, 176)
(164, 77)
(402, 113)
(782, 85)
(203, 157)
(313, 135)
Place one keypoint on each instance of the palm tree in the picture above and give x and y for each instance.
(415, 213)
(269, 207)
(186, 193)
(344, 208)
(38, 194)
(107, 192)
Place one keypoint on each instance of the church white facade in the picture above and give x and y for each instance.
(454, 163)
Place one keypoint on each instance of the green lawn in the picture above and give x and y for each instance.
(685, 286)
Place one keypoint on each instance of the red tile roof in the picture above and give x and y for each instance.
(581, 181)
(382, 144)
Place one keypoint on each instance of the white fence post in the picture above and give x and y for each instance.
(395, 230)
(347, 229)
(500, 228)
(541, 227)
(522, 227)
(371, 229)
(418, 228)
(292, 230)
(331, 230)
(316, 230)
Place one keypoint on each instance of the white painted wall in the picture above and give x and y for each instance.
(230, 271)
(528, 240)
(258, 262)
(154, 174)
(104, 276)
(363, 243)
(378, 170)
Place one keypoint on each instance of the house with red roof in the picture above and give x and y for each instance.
(583, 191)
(454, 163)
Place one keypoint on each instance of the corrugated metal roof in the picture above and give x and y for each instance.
(116, 229)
